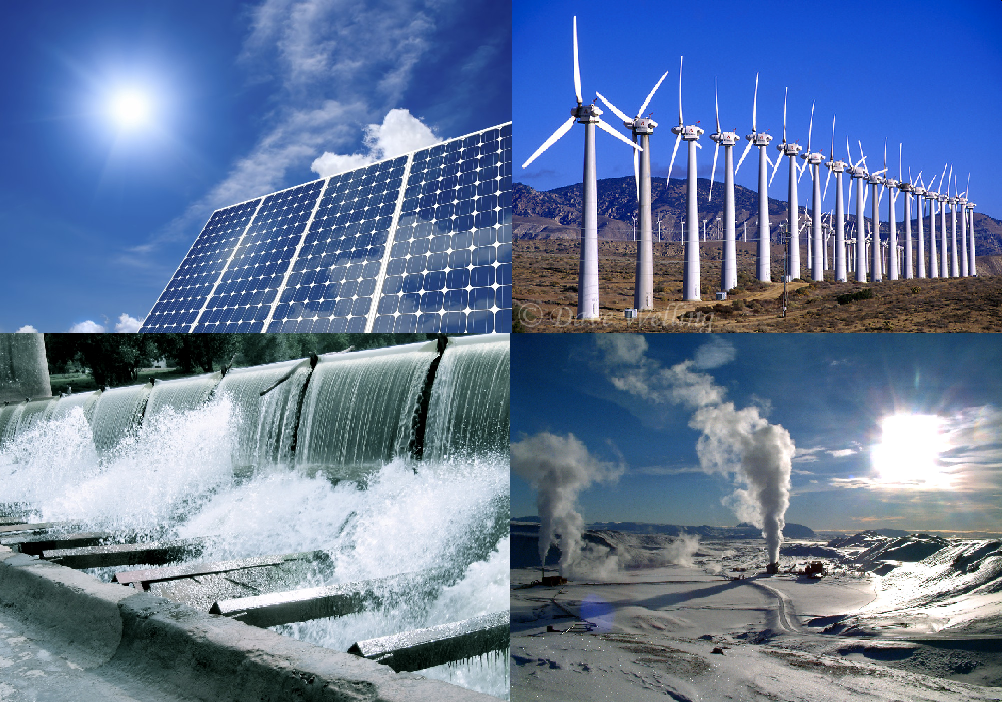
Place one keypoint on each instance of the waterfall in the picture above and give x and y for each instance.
(390, 461)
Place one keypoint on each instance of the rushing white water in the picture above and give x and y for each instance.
(224, 467)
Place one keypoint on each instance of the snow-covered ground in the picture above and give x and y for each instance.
(925, 630)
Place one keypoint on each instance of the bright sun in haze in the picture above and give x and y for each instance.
(130, 109)
(909, 451)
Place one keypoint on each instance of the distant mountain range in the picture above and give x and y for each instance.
(741, 531)
(557, 213)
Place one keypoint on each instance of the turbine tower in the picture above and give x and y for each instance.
(837, 167)
(816, 244)
(761, 140)
(875, 180)
(970, 210)
(962, 201)
(729, 269)
(892, 246)
(944, 270)
(954, 262)
(933, 198)
(906, 190)
(642, 128)
(791, 150)
(919, 191)
(588, 115)
(691, 133)
(857, 172)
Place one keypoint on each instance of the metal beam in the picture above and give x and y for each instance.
(154, 575)
(331, 601)
(150, 553)
(36, 544)
(437, 645)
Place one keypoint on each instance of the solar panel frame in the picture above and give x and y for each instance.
(461, 186)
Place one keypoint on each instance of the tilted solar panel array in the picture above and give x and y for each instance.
(420, 242)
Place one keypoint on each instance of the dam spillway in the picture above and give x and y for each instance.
(384, 462)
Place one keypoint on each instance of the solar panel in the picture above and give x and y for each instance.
(416, 243)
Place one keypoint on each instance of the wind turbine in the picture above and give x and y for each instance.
(919, 190)
(952, 200)
(791, 150)
(729, 269)
(642, 128)
(875, 180)
(933, 198)
(857, 172)
(587, 115)
(906, 189)
(962, 201)
(944, 271)
(970, 210)
(691, 133)
(816, 244)
(892, 241)
(761, 140)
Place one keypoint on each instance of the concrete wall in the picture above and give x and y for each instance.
(201, 656)
(24, 371)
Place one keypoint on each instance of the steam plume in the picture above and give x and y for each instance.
(559, 468)
(740, 443)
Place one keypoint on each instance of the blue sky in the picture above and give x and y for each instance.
(242, 98)
(831, 392)
(922, 73)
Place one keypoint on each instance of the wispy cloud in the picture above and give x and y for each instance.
(399, 133)
(336, 68)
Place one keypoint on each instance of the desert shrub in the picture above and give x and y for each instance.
(864, 294)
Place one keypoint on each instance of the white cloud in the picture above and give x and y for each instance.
(399, 133)
(842, 453)
(714, 354)
(27, 329)
(127, 324)
(87, 327)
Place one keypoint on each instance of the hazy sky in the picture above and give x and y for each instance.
(240, 99)
(922, 73)
(831, 392)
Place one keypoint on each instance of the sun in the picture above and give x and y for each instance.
(908, 454)
(130, 109)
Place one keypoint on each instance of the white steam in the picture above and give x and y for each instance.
(559, 468)
(740, 443)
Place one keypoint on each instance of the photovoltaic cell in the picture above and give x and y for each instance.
(420, 242)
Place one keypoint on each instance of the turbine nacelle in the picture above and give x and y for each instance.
(759, 138)
(789, 149)
(858, 172)
(587, 113)
(815, 158)
(962, 201)
(890, 182)
(726, 138)
(837, 166)
(970, 205)
(641, 125)
(689, 132)
(918, 190)
(875, 179)
(906, 187)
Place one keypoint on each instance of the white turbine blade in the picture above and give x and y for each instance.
(779, 160)
(784, 113)
(948, 181)
(754, 105)
(900, 145)
(968, 185)
(713, 172)
(885, 154)
(801, 170)
(636, 167)
(561, 130)
(716, 106)
(847, 152)
(651, 94)
(615, 110)
(810, 128)
(741, 160)
(606, 128)
(941, 179)
(826, 186)
(929, 187)
(880, 197)
(833, 136)
(698, 145)
(879, 172)
(577, 67)
(680, 123)
(674, 151)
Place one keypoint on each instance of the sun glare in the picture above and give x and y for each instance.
(130, 109)
(909, 451)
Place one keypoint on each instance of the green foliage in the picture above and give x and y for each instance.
(114, 359)
(864, 294)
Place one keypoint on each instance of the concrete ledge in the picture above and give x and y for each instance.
(74, 606)
(199, 655)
